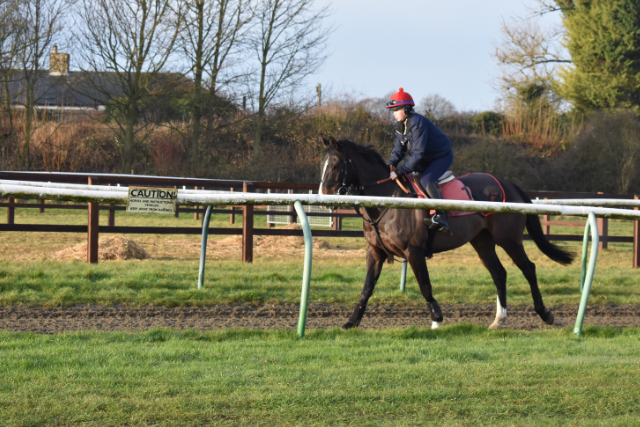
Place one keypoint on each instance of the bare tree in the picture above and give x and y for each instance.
(10, 46)
(9, 49)
(126, 45)
(40, 23)
(288, 41)
(437, 106)
(542, 7)
(211, 36)
(529, 53)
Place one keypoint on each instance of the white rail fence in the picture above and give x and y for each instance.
(118, 195)
(100, 194)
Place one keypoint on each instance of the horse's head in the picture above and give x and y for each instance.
(339, 175)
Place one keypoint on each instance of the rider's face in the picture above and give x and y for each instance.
(399, 115)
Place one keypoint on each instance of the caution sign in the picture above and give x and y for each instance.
(152, 200)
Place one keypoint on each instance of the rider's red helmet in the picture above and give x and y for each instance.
(400, 99)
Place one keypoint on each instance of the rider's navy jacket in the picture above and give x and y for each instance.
(425, 143)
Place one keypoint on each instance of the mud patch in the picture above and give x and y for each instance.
(284, 316)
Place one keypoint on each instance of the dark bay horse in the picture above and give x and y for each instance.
(349, 168)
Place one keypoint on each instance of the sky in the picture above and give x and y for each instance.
(425, 46)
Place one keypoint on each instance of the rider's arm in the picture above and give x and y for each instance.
(398, 151)
(419, 136)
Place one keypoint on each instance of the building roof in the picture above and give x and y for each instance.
(76, 89)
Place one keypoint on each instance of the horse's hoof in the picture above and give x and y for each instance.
(348, 325)
(436, 315)
(497, 323)
(435, 312)
(435, 325)
(550, 319)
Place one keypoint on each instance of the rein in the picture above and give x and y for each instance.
(382, 181)
(374, 224)
(351, 189)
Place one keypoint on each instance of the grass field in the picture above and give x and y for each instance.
(30, 274)
(460, 375)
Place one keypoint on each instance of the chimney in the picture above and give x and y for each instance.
(58, 62)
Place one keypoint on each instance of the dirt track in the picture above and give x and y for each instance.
(268, 316)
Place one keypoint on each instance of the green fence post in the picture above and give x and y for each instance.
(587, 278)
(585, 250)
(306, 274)
(203, 245)
(403, 276)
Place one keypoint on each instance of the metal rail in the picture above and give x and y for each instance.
(102, 194)
(107, 195)
(306, 273)
(586, 276)
(612, 203)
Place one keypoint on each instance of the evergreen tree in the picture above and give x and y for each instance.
(603, 38)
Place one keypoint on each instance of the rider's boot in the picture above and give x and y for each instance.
(439, 219)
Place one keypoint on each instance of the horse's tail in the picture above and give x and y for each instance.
(534, 228)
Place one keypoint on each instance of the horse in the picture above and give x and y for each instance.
(349, 168)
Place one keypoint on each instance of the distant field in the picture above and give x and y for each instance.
(30, 274)
(457, 376)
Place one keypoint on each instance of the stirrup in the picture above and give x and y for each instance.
(439, 223)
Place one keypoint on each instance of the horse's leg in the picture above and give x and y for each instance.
(416, 258)
(375, 261)
(516, 251)
(486, 249)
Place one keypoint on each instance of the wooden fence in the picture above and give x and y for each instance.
(247, 212)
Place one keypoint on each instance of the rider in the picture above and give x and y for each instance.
(429, 150)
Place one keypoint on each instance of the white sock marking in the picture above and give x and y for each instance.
(501, 315)
(501, 312)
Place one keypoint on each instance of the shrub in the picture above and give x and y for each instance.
(605, 155)
(487, 123)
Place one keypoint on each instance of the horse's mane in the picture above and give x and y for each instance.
(369, 152)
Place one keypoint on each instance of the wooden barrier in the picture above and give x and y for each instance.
(636, 241)
(11, 210)
(247, 226)
(232, 216)
(250, 230)
(92, 228)
(248, 212)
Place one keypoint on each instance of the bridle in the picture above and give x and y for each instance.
(351, 189)
(345, 189)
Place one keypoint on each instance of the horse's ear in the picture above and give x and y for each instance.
(335, 144)
(324, 141)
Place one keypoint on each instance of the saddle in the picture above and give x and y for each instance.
(473, 186)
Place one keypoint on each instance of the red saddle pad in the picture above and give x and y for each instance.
(452, 190)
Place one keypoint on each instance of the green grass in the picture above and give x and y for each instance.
(460, 375)
(29, 276)
(457, 278)
(171, 283)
